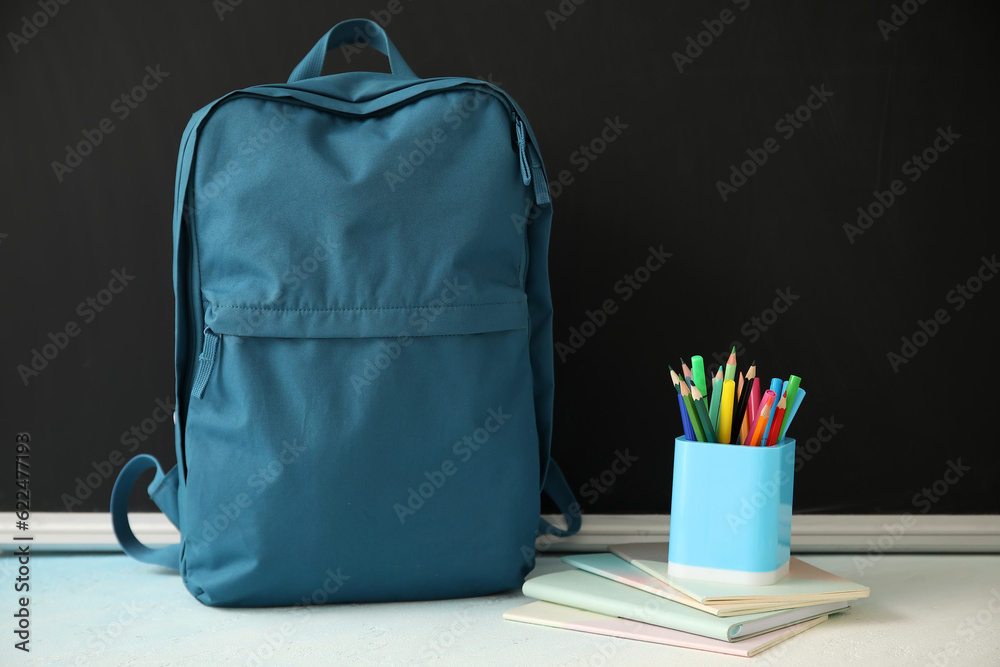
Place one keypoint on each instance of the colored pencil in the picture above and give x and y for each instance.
(741, 410)
(699, 405)
(713, 408)
(699, 434)
(675, 380)
(685, 420)
(779, 414)
(731, 366)
(726, 411)
(686, 372)
(757, 430)
(754, 389)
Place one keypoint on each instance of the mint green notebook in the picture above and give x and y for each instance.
(583, 590)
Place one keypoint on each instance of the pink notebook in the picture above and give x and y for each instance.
(570, 618)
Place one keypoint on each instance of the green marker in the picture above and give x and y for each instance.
(698, 371)
(790, 391)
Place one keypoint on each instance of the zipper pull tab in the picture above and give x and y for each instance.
(531, 165)
(522, 151)
(205, 363)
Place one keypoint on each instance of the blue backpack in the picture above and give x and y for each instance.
(363, 359)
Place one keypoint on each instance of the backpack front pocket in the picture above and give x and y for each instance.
(355, 445)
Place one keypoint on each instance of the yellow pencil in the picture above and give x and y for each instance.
(726, 411)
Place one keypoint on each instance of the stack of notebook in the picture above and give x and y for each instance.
(627, 594)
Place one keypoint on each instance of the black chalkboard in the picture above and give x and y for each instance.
(810, 181)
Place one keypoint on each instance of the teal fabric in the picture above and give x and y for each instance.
(364, 342)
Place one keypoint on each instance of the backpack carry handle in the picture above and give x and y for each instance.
(361, 32)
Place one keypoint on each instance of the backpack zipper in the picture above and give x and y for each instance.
(528, 158)
(206, 362)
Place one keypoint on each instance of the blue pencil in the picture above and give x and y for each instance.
(686, 420)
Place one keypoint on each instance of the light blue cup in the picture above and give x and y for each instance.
(731, 512)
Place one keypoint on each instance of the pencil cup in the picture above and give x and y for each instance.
(731, 512)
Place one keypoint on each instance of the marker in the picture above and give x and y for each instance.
(793, 388)
(698, 371)
(777, 389)
(800, 396)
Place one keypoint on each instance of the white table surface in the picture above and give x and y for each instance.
(105, 609)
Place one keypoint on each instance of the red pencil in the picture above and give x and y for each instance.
(779, 414)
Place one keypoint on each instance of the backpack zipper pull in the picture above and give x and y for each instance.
(522, 152)
(206, 361)
(531, 165)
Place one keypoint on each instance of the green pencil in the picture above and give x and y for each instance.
(675, 379)
(731, 366)
(706, 422)
(713, 408)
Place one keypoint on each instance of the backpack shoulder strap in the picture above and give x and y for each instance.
(163, 491)
(558, 489)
